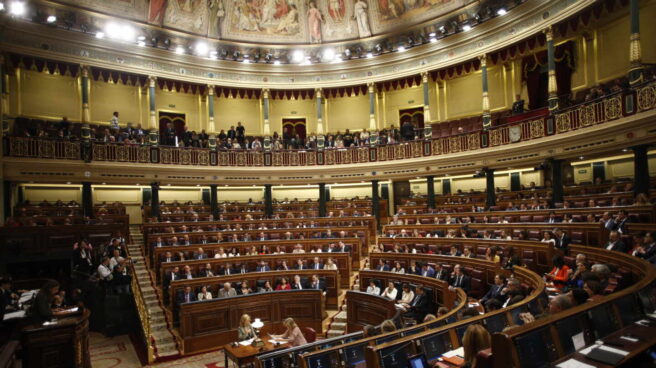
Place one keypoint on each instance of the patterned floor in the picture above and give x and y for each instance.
(118, 352)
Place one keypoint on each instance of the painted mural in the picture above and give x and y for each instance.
(278, 21)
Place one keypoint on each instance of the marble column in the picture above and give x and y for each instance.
(211, 127)
(371, 87)
(153, 136)
(641, 169)
(86, 117)
(265, 111)
(635, 53)
(425, 85)
(319, 111)
(487, 119)
(551, 64)
(490, 189)
(430, 191)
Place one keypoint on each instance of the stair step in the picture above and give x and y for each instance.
(338, 326)
(340, 317)
(334, 333)
(161, 325)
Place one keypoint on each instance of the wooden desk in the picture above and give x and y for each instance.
(645, 335)
(242, 355)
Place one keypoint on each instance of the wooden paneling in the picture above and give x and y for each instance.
(365, 309)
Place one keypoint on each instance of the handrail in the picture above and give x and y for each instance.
(144, 315)
(609, 107)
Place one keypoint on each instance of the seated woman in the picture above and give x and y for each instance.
(245, 331)
(548, 238)
(373, 289)
(407, 296)
(292, 335)
(594, 290)
(398, 268)
(283, 285)
(244, 289)
(390, 291)
(475, 340)
(204, 294)
(559, 274)
(266, 288)
(330, 265)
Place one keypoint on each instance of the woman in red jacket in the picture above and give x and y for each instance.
(559, 273)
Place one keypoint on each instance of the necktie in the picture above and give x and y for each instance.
(459, 281)
(187, 298)
(228, 271)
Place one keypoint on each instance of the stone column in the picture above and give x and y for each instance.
(214, 201)
(641, 169)
(211, 128)
(425, 85)
(322, 199)
(557, 181)
(268, 201)
(635, 53)
(375, 198)
(87, 199)
(487, 120)
(490, 190)
(551, 64)
(265, 111)
(319, 111)
(86, 116)
(153, 125)
(154, 200)
(4, 89)
(371, 87)
(430, 191)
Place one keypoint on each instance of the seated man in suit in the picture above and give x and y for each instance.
(317, 284)
(316, 264)
(459, 279)
(427, 271)
(454, 252)
(204, 240)
(620, 223)
(562, 240)
(172, 275)
(168, 257)
(300, 265)
(227, 291)
(186, 241)
(186, 273)
(615, 243)
(297, 284)
(263, 267)
(206, 271)
(341, 247)
(420, 306)
(158, 242)
(441, 273)
(328, 234)
(227, 270)
(382, 266)
(200, 254)
(262, 236)
(495, 292)
(413, 269)
(186, 296)
(283, 266)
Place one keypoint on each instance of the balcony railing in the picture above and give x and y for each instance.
(608, 108)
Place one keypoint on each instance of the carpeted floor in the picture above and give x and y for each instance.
(118, 352)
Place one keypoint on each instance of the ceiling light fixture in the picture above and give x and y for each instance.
(370, 55)
(328, 54)
(432, 34)
(276, 62)
(100, 34)
(2, 6)
(51, 19)
(17, 8)
(502, 11)
(433, 39)
(298, 56)
(202, 49)
(141, 43)
(179, 50)
(466, 28)
(401, 49)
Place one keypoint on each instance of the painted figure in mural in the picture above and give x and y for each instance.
(336, 9)
(268, 12)
(186, 5)
(217, 12)
(282, 9)
(314, 18)
(245, 17)
(289, 24)
(362, 18)
(156, 11)
(391, 9)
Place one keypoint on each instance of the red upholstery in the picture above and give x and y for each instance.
(485, 359)
(310, 334)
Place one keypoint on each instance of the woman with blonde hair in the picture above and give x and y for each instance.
(330, 265)
(292, 335)
(476, 339)
(245, 331)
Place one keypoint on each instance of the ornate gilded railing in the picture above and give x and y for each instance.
(144, 316)
(587, 114)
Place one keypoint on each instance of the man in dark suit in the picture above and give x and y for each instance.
(620, 222)
(5, 297)
(172, 275)
(495, 291)
(552, 218)
(200, 254)
(382, 266)
(317, 284)
(242, 269)
(263, 267)
(460, 280)
(615, 243)
(427, 271)
(297, 284)
(413, 269)
(168, 257)
(300, 265)
(441, 273)
(158, 242)
(227, 270)
(328, 234)
(420, 306)
(316, 264)
(262, 236)
(648, 250)
(186, 296)
(562, 241)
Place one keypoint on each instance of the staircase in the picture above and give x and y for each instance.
(338, 325)
(163, 341)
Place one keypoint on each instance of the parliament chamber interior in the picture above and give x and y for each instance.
(328, 183)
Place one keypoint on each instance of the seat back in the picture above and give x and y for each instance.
(310, 334)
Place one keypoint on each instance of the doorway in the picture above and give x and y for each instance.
(414, 115)
(290, 128)
(178, 120)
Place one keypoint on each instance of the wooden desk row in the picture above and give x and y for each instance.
(75, 220)
(259, 215)
(205, 325)
(278, 234)
(330, 277)
(287, 246)
(342, 260)
(639, 213)
(364, 309)
(580, 233)
(368, 221)
(364, 348)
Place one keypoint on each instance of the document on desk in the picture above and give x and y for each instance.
(573, 363)
(579, 341)
(457, 352)
(613, 350)
(246, 342)
(13, 315)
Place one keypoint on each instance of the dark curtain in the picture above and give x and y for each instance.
(178, 120)
(414, 115)
(532, 67)
(294, 126)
